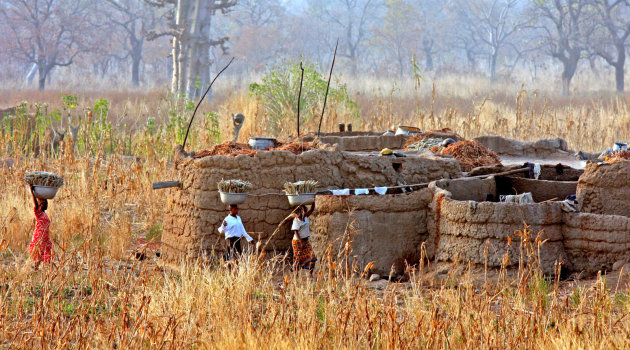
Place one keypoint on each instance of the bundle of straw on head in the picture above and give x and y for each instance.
(308, 186)
(43, 178)
(234, 186)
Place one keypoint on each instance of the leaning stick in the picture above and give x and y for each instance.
(200, 100)
(299, 98)
(321, 118)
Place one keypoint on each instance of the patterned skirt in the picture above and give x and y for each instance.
(303, 255)
(40, 248)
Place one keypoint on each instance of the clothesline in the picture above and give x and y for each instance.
(349, 189)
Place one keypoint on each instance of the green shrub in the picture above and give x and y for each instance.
(278, 93)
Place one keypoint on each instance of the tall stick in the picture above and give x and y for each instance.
(200, 100)
(299, 98)
(319, 128)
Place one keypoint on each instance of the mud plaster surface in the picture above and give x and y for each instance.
(478, 232)
(195, 211)
(605, 189)
(387, 230)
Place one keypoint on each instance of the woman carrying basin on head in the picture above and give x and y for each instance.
(40, 247)
(303, 256)
(233, 229)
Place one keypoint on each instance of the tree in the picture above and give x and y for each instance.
(432, 24)
(397, 34)
(258, 31)
(48, 33)
(189, 23)
(352, 20)
(612, 34)
(563, 27)
(133, 19)
(490, 23)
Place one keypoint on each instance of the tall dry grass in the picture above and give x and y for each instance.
(90, 300)
(589, 122)
(96, 296)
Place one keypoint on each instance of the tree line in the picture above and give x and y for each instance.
(187, 39)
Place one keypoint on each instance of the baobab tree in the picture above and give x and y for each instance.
(48, 33)
(189, 23)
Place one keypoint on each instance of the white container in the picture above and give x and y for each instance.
(301, 199)
(407, 130)
(45, 192)
(261, 143)
(233, 198)
(620, 146)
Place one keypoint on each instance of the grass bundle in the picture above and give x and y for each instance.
(43, 178)
(234, 186)
(308, 186)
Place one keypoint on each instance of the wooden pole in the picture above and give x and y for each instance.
(299, 98)
(166, 184)
(321, 118)
(200, 100)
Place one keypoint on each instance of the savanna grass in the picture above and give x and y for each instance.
(96, 296)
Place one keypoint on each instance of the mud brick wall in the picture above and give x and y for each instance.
(195, 211)
(362, 142)
(541, 190)
(460, 228)
(538, 149)
(605, 189)
(595, 242)
(387, 229)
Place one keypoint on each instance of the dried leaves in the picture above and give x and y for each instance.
(233, 149)
(472, 154)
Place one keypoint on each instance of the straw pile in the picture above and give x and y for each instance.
(233, 149)
(619, 156)
(234, 186)
(294, 147)
(472, 154)
(308, 186)
(227, 149)
(43, 178)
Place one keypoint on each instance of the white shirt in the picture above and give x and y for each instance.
(302, 227)
(234, 228)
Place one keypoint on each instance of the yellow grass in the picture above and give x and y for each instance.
(97, 296)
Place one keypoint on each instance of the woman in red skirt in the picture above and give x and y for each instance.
(40, 248)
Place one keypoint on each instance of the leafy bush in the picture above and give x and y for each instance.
(279, 90)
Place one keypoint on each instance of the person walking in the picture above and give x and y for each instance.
(40, 248)
(303, 256)
(233, 229)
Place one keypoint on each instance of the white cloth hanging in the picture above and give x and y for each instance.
(537, 170)
(358, 191)
(344, 192)
(380, 190)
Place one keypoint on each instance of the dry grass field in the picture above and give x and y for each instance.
(96, 296)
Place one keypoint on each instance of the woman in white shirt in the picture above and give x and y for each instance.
(303, 256)
(234, 230)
